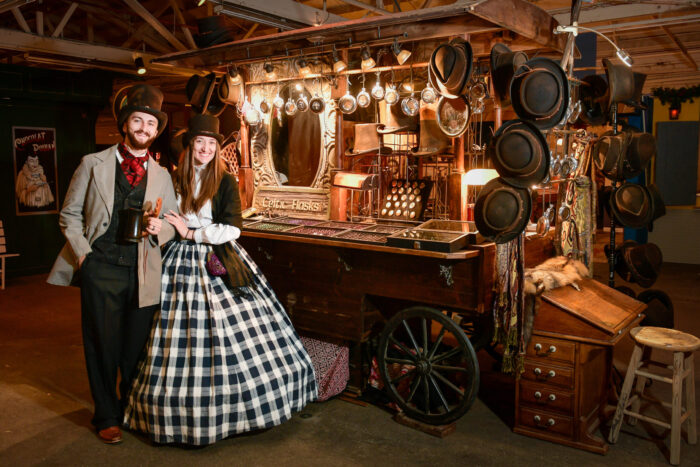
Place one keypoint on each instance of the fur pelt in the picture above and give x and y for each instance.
(556, 272)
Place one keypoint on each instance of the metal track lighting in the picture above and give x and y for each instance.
(367, 61)
(400, 54)
(235, 75)
(140, 66)
(338, 63)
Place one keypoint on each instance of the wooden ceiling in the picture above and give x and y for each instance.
(662, 36)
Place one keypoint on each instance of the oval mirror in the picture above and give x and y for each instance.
(295, 141)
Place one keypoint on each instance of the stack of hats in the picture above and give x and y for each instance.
(538, 90)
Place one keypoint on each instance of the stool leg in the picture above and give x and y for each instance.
(676, 408)
(625, 394)
(639, 388)
(690, 399)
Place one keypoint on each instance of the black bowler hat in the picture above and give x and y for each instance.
(502, 211)
(504, 62)
(139, 98)
(539, 92)
(640, 263)
(635, 205)
(520, 154)
(593, 94)
(204, 125)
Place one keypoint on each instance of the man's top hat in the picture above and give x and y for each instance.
(621, 83)
(367, 141)
(520, 154)
(502, 211)
(539, 92)
(451, 67)
(431, 139)
(504, 62)
(593, 94)
(202, 124)
(139, 98)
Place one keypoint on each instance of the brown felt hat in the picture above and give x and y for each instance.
(139, 98)
(431, 139)
(451, 67)
(520, 154)
(504, 62)
(635, 205)
(640, 263)
(367, 140)
(623, 155)
(502, 211)
(204, 125)
(203, 96)
(621, 83)
(539, 92)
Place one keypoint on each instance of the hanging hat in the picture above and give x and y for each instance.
(451, 67)
(623, 155)
(520, 154)
(203, 96)
(640, 150)
(640, 263)
(453, 115)
(502, 211)
(212, 30)
(631, 204)
(139, 98)
(230, 93)
(504, 62)
(367, 141)
(397, 121)
(539, 92)
(621, 83)
(202, 124)
(659, 311)
(431, 139)
(658, 205)
(636, 101)
(593, 94)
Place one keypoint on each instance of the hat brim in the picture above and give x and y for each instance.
(563, 80)
(380, 151)
(189, 136)
(443, 125)
(518, 227)
(542, 170)
(385, 130)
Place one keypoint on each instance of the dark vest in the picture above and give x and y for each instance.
(106, 248)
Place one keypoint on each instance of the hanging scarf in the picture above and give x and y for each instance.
(133, 166)
(508, 307)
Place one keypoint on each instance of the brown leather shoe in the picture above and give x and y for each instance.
(111, 435)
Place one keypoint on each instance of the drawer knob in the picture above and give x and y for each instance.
(551, 374)
(538, 420)
(538, 394)
(552, 397)
(552, 349)
(538, 347)
(538, 371)
(550, 422)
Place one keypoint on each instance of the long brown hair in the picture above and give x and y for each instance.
(184, 183)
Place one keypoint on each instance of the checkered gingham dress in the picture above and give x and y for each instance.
(217, 363)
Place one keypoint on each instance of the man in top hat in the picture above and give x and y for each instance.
(119, 280)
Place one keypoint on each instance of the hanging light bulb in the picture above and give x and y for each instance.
(400, 54)
(304, 69)
(235, 75)
(269, 71)
(367, 61)
(140, 66)
(338, 63)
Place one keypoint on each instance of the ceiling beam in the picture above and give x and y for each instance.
(141, 30)
(364, 6)
(40, 22)
(600, 12)
(155, 24)
(20, 20)
(8, 5)
(295, 12)
(682, 48)
(183, 24)
(64, 20)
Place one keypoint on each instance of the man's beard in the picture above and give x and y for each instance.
(133, 143)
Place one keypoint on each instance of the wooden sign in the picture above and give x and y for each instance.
(308, 203)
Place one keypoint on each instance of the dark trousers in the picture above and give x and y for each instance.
(115, 331)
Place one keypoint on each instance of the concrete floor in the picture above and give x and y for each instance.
(45, 407)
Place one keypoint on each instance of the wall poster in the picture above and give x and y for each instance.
(36, 188)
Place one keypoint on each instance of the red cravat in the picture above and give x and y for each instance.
(132, 166)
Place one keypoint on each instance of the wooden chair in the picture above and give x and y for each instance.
(3, 254)
(683, 346)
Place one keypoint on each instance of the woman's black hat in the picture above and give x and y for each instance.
(202, 124)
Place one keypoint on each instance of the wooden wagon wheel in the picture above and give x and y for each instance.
(428, 365)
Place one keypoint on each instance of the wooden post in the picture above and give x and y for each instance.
(457, 193)
(246, 183)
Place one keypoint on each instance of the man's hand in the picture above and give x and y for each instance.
(153, 225)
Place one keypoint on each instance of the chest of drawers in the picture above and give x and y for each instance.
(561, 395)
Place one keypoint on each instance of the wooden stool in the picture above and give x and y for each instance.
(682, 345)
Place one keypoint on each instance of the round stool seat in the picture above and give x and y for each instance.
(665, 339)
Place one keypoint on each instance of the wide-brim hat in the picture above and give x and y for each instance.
(659, 311)
(502, 211)
(202, 94)
(202, 125)
(658, 206)
(640, 263)
(504, 62)
(640, 150)
(593, 93)
(139, 98)
(367, 141)
(621, 83)
(520, 154)
(609, 153)
(631, 204)
(451, 66)
(636, 101)
(431, 140)
(453, 115)
(539, 92)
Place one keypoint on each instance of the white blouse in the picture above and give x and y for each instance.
(206, 231)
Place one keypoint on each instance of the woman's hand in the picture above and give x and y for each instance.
(178, 222)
